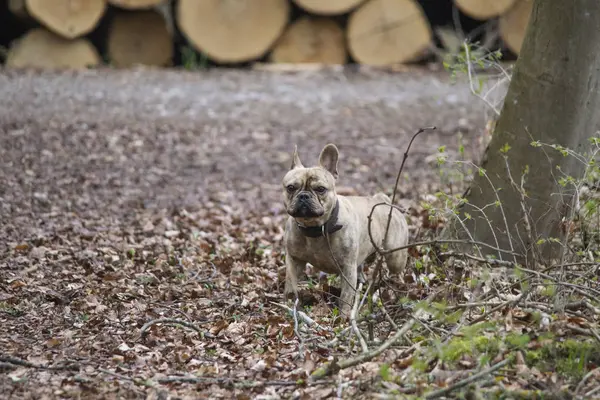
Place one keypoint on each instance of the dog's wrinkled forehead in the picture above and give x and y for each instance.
(308, 177)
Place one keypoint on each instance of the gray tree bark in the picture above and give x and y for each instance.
(553, 98)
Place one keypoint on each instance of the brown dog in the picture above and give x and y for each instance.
(323, 224)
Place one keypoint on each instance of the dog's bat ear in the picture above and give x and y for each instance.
(329, 159)
(296, 163)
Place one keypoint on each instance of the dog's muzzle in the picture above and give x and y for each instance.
(304, 207)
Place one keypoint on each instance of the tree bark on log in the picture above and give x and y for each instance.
(232, 32)
(40, 48)
(67, 18)
(311, 40)
(140, 38)
(553, 98)
(328, 7)
(513, 24)
(385, 32)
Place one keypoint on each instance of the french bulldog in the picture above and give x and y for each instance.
(330, 231)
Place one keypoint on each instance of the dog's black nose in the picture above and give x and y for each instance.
(303, 196)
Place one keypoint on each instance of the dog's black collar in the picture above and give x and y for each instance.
(330, 225)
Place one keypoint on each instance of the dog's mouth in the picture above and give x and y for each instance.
(305, 209)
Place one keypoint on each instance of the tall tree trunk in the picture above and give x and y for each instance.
(553, 98)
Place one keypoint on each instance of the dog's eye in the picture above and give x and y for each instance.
(320, 189)
(291, 188)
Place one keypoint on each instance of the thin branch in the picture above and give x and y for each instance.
(491, 261)
(498, 307)
(559, 282)
(175, 322)
(22, 363)
(334, 366)
(339, 267)
(595, 390)
(588, 332)
(302, 315)
(240, 383)
(440, 241)
(523, 204)
(296, 331)
(470, 74)
(404, 157)
(361, 339)
(465, 382)
(119, 376)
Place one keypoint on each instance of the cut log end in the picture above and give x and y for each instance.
(311, 40)
(139, 38)
(135, 4)
(67, 18)
(232, 32)
(328, 7)
(40, 48)
(386, 32)
(513, 25)
(484, 9)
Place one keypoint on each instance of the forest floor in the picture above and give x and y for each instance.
(132, 196)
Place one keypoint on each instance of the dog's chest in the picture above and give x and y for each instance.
(316, 251)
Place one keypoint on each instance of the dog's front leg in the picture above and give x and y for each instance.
(293, 268)
(349, 282)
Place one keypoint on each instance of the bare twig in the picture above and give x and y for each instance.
(296, 331)
(523, 204)
(361, 339)
(23, 363)
(119, 376)
(595, 390)
(587, 376)
(347, 329)
(302, 315)
(465, 382)
(588, 332)
(441, 241)
(470, 74)
(392, 206)
(172, 321)
(339, 267)
(498, 307)
(5, 365)
(404, 157)
(388, 317)
(491, 261)
(560, 282)
(240, 383)
(333, 367)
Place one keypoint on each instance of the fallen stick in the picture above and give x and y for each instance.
(334, 366)
(19, 362)
(361, 339)
(465, 382)
(308, 320)
(172, 321)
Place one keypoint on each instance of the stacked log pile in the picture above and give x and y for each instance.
(125, 33)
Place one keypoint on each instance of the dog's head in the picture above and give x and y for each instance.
(309, 193)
